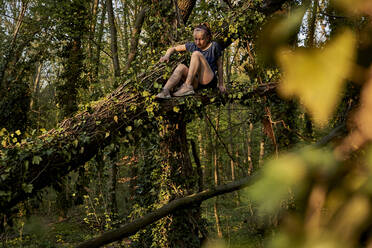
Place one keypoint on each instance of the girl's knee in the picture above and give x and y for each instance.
(181, 68)
(196, 54)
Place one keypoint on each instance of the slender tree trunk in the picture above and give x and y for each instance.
(217, 179)
(135, 37)
(125, 31)
(312, 20)
(10, 50)
(92, 30)
(113, 206)
(99, 42)
(36, 87)
(249, 149)
(310, 42)
(262, 151)
(114, 38)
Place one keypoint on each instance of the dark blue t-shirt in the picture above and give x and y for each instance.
(211, 54)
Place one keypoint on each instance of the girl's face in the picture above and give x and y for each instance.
(200, 38)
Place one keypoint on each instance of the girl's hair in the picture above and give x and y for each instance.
(204, 26)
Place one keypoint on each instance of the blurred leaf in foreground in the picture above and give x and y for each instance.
(316, 76)
(289, 173)
(355, 6)
(362, 120)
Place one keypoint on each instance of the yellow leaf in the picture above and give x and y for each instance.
(128, 129)
(18, 132)
(176, 109)
(3, 143)
(145, 93)
(116, 119)
(107, 134)
(316, 76)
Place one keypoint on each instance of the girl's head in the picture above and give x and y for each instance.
(202, 35)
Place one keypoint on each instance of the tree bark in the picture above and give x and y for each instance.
(135, 37)
(217, 178)
(184, 9)
(114, 38)
(179, 179)
(36, 86)
(10, 49)
(99, 43)
(249, 149)
(92, 30)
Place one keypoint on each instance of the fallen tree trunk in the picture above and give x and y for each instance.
(29, 167)
(185, 202)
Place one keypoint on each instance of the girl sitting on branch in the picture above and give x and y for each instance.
(205, 61)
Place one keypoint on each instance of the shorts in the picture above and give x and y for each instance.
(211, 85)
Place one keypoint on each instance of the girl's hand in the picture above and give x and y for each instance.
(165, 58)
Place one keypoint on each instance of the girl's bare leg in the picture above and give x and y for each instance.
(199, 71)
(179, 73)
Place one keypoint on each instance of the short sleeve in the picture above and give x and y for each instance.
(218, 50)
(190, 46)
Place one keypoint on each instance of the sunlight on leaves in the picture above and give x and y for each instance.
(317, 76)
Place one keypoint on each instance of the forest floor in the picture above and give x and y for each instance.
(240, 227)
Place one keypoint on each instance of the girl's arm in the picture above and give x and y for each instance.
(221, 85)
(170, 51)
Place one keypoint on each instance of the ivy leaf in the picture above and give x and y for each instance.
(27, 187)
(36, 160)
(317, 76)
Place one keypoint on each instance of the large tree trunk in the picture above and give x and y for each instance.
(182, 228)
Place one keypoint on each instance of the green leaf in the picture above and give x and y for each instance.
(27, 187)
(26, 165)
(36, 160)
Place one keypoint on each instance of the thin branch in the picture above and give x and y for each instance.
(185, 202)
(219, 138)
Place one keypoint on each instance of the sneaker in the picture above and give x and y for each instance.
(164, 94)
(185, 90)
